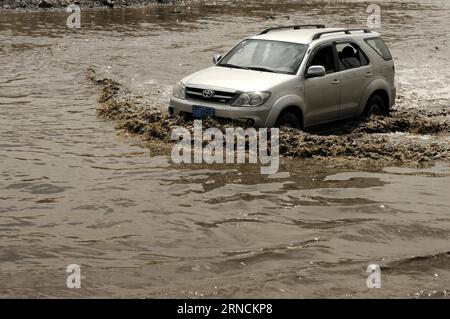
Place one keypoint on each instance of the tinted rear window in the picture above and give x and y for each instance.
(378, 45)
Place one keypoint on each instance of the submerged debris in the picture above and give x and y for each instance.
(62, 4)
(408, 134)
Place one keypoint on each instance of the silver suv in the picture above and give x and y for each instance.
(293, 76)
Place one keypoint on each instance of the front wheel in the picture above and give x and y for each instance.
(288, 120)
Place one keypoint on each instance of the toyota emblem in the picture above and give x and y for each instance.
(208, 93)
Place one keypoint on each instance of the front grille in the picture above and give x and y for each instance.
(223, 97)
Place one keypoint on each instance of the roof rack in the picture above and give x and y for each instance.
(295, 27)
(346, 31)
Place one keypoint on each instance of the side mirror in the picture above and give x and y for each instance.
(315, 71)
(216, 58)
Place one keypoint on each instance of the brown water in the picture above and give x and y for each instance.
(72, 191)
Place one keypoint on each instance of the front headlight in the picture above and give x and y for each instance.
(251, 99)
(179, 90)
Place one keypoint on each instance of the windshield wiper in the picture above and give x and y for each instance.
(253, 68)
(258, 68)
(228, 65)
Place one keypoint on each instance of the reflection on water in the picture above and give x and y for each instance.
(74, 192)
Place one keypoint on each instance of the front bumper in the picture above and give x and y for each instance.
(257, 114)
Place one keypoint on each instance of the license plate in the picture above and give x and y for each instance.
(199, 112)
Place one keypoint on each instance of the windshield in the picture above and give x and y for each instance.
(266, 56)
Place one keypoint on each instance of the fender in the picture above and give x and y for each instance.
(378, 84)
(281, 104)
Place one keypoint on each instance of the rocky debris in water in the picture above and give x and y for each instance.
(361, 146)
(401, 119)
(50, 4)
(46, 4)
(374, 139)
(108, 3)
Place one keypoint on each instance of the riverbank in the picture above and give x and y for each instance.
(34, 5)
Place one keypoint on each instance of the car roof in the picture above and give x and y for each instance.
(305, 36)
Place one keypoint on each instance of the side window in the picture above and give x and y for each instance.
(324, 57)
(380, 47)
(350, 56)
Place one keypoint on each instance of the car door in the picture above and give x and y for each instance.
(322, 93)
(354, 74)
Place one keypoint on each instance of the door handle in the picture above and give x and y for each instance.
(369, 74)
(335, 82)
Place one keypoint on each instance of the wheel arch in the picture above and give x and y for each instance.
(289, 102)
(377, 87)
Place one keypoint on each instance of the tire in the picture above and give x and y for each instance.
(375, 106)
(288, 120)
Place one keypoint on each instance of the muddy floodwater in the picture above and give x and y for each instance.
(74, 191)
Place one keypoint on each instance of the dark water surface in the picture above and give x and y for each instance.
(73, 192)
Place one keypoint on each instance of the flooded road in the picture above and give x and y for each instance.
(72, 191)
